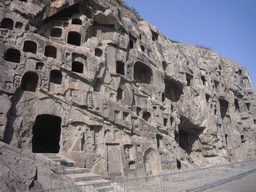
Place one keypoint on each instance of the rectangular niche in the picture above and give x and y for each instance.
(130, 152)
(79, 63)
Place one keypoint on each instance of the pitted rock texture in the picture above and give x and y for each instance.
(88, 79)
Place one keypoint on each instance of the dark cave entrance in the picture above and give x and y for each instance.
(188, 134)
(46, 134)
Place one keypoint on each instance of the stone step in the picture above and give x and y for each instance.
(76, 170)
(104, 188)
(84, 177)
(101, 182)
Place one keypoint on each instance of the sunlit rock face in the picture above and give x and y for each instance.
(89, 80)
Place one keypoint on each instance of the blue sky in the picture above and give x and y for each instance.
(225, 26)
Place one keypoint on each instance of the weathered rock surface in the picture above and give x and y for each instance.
(87, 79)
(23, 171)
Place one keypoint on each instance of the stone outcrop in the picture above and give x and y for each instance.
(89, 80)
(23, 171)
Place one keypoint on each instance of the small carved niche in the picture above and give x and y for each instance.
(146, 116)
(130, 152)
(74, 38)
(30, 46)
(12, 55)
(119, 95)
(7, 23)
(125, 116)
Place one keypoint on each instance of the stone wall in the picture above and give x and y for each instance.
(87, 79)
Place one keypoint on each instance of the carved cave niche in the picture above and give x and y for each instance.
(29, 81)
(130, 152)
(146, 116)
(30, 46)
(248, 105)
(76, 21)
(119, 95)
(74, 38)
(12, 55)
(132, 42)
(207, 98)
(56, 32)
(189, 79)
(7, 23)
(164, 65)
(97, 85)
(203, 80)
(39, 66)
(50, 51)
(178, 163)
(216, 85)
(159, 139)
(151, 162)
(46, 134)
(55, 77)
(77, 67)
(223, 107)
(138, 111)
(173, 90)
(98, 52)
(113, 159)
(79, 63)
(154, 36)
(142, 73)
(246, 82)
(120, 67)
(188, 136)
(125, 116)
(18, 25)
(96, 136)
(132, 165)
(142, 48)
(242, 139)
(165, 120)
(237, 107)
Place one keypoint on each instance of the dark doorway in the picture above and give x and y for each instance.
(12, 55)
(7, 23)
(46, 134)
(77, 67)
(120, 67)
(55, 76)
(30, 46)
(50, 51)
(29, 81)
(77, 21)
(142, 73)
(173, 90)
(56, 32)
(74, 38)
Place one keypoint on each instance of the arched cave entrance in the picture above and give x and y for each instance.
(188, 136)
(142, 73)
(46, 134)
(29, 81)
(7, 23)
(152, 162)
(74, 38)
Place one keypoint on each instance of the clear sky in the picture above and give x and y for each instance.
(225, 26)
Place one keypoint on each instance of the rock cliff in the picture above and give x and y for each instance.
(90, 80)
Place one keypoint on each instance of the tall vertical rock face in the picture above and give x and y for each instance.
(88, 79)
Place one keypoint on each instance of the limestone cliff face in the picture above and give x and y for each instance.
(87, 79)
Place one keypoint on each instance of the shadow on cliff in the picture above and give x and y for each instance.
(11, 116)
